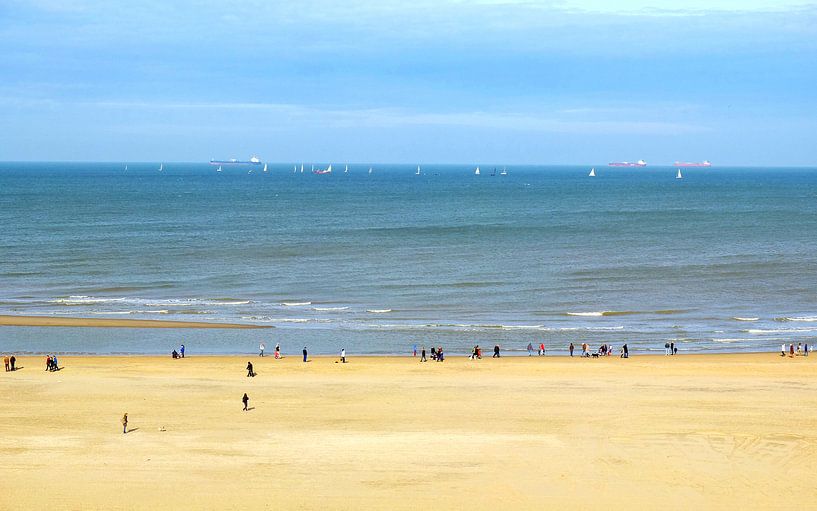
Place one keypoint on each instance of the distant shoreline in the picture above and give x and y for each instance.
(57, 321)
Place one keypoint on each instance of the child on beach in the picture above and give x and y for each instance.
(277, 351)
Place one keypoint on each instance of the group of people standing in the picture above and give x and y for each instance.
(10, 362)
(670, 348)
(436, 354)
(541, 351)
(51, 363)
(801, 350)
(277, 353)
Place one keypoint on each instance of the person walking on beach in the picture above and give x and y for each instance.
(262, 348)
(124, 423)
(542, 349)
(433, 353)
(55, 366)
(791, 350)
(245, 400)
(6, 362)
(13, 361)
(277, 350)
(414, 350)
(250, 372)
(666, 348)
(799, 349)
(805, 349)
(571, 348)
(783, 350)
(305, 354)
(496, 351)
(343, 355)
(624, 352)
(181, 350)
(672, 349)
(585, 353)
(423, 355)
(440, 356)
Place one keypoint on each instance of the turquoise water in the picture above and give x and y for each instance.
(375, 263)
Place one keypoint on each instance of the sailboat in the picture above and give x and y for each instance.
(294, 169)
(370, 170)
(249, 171)
(346, 170)
(265, 167)
(679, 175)
(218, 169)
(418, 171)
(161, 167)
(592, 172)
(327, 170)
(504, 172)
(476, 172)
(302, 168)
(126, 168)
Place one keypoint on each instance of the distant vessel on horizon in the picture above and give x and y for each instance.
(679, 175)
(639, 163)
(476, 172)
(592, 172)
(161, 167)
(705, 163)
(418, 171)
(327, 170)
(254, 160)
(504, 172)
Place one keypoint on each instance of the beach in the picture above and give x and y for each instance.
(691, 431)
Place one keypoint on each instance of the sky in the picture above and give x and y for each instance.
(421, 81)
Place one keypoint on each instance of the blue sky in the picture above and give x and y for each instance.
(493, 81)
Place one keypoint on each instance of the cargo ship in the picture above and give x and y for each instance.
(254, 160)
(705, 163)
(639, 163)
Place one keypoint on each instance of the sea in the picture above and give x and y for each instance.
(723, 260)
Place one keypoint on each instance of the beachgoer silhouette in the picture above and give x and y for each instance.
(249, 369)
(245, 400)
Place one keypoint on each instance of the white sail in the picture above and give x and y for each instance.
(370, 170)
(504, 172)
(218, 169)
(592, 172)
(302, 168)
(476, 172)
(294, 169)
(265, 167)
(161, 167)
(126, 168)
(249, 171)
(679, 175)
(418, 171)
(346, 170)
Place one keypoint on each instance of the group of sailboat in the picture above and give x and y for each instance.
(504, 172)
(678, 174)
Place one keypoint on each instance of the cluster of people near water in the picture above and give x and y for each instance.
(801, 351)
(51, 363)
(10, 362)
(178, 354)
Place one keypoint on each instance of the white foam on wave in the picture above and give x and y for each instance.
(378, 311)
(586, 314)
(329, 309)
(761, 331)
(731, 340)
(802, 319)
(295, 304)
(146, 302)
(738, 318)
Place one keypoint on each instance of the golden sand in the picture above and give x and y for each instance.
(685, 432)
(113, 323)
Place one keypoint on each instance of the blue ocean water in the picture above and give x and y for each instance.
(722, 260)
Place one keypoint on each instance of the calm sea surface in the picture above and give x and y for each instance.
(722, 260)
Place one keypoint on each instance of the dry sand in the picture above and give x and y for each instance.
(113, 323)
(685, 432)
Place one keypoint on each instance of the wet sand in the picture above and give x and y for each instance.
(685, 432)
